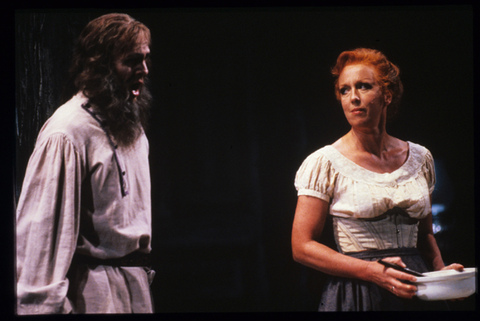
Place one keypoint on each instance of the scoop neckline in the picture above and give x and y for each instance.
(409, 157)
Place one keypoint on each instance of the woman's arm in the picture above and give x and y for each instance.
(427, 245)
(310, 216)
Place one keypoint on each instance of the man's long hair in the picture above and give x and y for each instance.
(93, 72)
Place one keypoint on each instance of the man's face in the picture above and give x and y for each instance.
(132, 68)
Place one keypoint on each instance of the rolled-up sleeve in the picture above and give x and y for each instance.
(47, 226)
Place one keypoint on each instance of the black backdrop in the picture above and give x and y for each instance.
(242, 96)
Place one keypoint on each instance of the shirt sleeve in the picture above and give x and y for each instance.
(429, 171)
(316, 177)
(47, 227)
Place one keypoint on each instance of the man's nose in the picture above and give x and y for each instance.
(141, 68)
(144, 67)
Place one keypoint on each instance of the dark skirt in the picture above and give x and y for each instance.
(345, 294)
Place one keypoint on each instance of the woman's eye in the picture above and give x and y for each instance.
(343, 91)
(364, 86)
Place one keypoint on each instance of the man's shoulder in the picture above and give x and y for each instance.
(70, 120)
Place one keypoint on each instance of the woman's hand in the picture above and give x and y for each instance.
(453, 266)
(307, 227)
(389, 278)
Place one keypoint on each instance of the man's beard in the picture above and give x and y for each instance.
(124, 118)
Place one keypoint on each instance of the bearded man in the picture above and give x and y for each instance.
(83, 229)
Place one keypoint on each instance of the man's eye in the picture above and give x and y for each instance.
(133, 62)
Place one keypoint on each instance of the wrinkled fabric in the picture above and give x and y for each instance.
(108, 289)
(359, 198)
(393, 229)
(374, 215)
(344, 294)
(71, 201)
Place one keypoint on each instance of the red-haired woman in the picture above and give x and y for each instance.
(377, 188)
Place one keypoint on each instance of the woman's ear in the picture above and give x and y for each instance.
(387, 97)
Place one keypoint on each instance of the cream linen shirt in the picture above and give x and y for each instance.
(370, 210)
(72, 201)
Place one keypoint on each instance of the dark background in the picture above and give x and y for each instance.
(242, 97)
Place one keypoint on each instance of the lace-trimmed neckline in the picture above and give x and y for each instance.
(349, 168)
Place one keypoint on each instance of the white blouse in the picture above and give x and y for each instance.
(370, 210)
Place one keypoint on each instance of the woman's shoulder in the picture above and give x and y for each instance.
(321, 160)
(419, 156)
(418, 148)
(321, 154)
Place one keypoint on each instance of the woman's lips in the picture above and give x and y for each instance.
(358, 110)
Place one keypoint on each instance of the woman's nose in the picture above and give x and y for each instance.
(355, 97)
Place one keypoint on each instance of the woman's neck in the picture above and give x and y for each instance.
(374, 142)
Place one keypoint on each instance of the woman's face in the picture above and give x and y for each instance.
(363, 101)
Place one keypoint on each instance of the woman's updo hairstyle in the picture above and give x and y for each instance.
(386, 73)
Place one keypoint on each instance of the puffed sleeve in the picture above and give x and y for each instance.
(316, 177)
(47, 226)
(429, 171)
